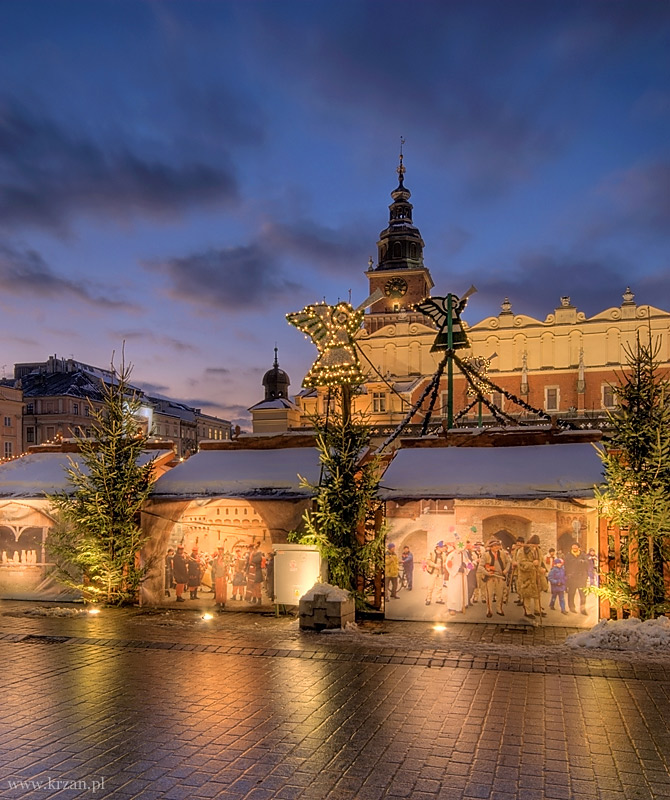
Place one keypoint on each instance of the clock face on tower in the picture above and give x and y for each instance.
(395, 287)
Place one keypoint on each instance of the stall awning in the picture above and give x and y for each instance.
(37, 474)
(243, 473)
(557, 470)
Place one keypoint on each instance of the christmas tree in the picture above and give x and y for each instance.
(636, 496)
(97, 538)
(341, 521)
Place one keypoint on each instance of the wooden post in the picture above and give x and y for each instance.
(604, 608)
(450, 363)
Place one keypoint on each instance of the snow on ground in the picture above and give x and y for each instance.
(625, 634)
(44, 611)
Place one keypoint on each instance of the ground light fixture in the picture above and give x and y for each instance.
(93, 611)
(207, 616)
(439, 627)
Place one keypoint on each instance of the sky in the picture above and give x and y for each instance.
(178, 176)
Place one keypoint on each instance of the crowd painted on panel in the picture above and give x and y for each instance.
(244, 574)
(461, 574)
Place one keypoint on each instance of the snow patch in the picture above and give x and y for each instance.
(333, 593)
(625, 634)
(56, 612)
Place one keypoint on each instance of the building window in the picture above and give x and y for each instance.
(75, 409)
(86, 411)
(30, 408)
(551, 398)
(378, 402)
(497, 399)
(8, 422)
(609, 397)
(30, 435)
(8, 449)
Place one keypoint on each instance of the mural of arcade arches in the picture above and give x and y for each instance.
(26, 573)
(507, 528)
(201, 526)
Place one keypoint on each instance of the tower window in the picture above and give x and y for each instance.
(397, 250)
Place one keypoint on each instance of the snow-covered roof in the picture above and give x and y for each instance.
(38, 474)
(277, 403)
(242, 473)
(531, 471)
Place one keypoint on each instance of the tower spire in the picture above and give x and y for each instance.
(400, 246)
(400, 169)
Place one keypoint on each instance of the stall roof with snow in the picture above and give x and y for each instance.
(533, 471)
(272, 474)
(38, 474)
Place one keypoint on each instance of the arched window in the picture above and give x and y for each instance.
(397, 250)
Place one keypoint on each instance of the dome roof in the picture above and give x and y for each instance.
(276, 382)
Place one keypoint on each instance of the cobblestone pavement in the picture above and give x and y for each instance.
(168, 705)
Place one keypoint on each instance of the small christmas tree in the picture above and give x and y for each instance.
(341, 522)
(637, 492)
(97, 538)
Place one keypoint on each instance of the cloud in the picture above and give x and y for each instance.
(235, 279)
(634, 200)
(336, 250)
(538, 280)
(25, 272)
(493, 109)
(147, 336)
(48, 174)
(217, 371)
(152, 389)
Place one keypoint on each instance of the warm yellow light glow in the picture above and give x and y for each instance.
(207, 616)
(94, 611)
(439, 627)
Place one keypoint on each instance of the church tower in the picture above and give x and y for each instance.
(277, 413)
(400, 272)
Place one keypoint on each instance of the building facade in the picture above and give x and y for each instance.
(61, 396)
(11, 432)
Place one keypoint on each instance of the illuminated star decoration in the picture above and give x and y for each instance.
(436, 308)
(332, 329)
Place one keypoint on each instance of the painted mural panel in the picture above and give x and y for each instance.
(216, 552)
(26, 573)
(495, 561)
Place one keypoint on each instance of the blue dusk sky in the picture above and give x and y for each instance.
(180, 175)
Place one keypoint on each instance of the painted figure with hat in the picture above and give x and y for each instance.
(457, 566)
(391, 572)
(532, 578)
(435, 569)
(220, 566)
(179, 572)
(493, 569)
(194, 570)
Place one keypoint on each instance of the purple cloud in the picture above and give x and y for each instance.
(235, 279)
(25, 272)
(48, 173)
